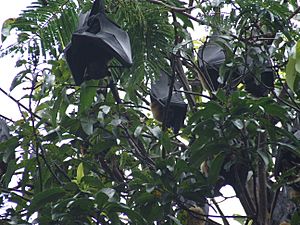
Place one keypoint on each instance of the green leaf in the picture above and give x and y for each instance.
(175, 220)
(80, 173)
(291, 72)
(238, 124)
(18, 79)
(101, 199)
(156, 131)
(92, 181)
(181, 167)
(116, 122)
(87, 124)
(138, 131)
(71, 186)
(240, 220)
(144, 198)
(221, 95)
(7, 149)
(87, 94)
(185, 20)
(11, 168)
(166, 142)
(47, 196)
(291, 148)
(297, 65)
(200, 153)
(276, 110)
(81, 205)
(265, 156)
(134, 217)
(215, 168)
(6, 28)
(295, 218)
(109, 192)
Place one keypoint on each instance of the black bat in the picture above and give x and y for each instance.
(95, 42)
(211, 56)
(259, 85)
(177, 107)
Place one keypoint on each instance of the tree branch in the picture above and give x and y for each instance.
(178, 10)
(294, 13)
(225, 221)
(23, 106)
(173, 8)
(262, 182)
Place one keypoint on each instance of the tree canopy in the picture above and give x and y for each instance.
(95, 154)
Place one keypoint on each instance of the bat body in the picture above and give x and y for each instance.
(257, 81)
(176, 112)
(210, 58)
(96, 41)
(212, 55)
(157, 110)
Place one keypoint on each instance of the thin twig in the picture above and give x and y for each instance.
(139, 152)
(294, 13)
(178, 10)
(23, 106)
(34, 132)
(174, 8)
(225, 221)
(194, 93)
(6, 118)
(63, 172)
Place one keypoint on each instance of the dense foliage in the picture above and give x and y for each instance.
(94, 154)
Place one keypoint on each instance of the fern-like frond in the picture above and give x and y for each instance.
(151, 36)
(51, 25)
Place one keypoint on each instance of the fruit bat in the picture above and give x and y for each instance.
(177, 107)
(210, 58)
(260, 85)
(96, 41)
(212, 55)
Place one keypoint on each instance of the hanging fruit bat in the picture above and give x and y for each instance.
(177, 107)
(211, 56)
(257, 84)
(96, 41)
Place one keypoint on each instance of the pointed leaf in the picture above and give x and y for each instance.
(297, 65)
(87, 94)
(80, 173)
(87, 125)
(165, 141)
(18, 79)
(215, 168)
(6, 28)
(101, 199)
(238, 124)
(47, 196)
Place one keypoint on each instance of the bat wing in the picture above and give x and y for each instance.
(95, 42)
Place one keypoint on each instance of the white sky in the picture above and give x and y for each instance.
(11, 9)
